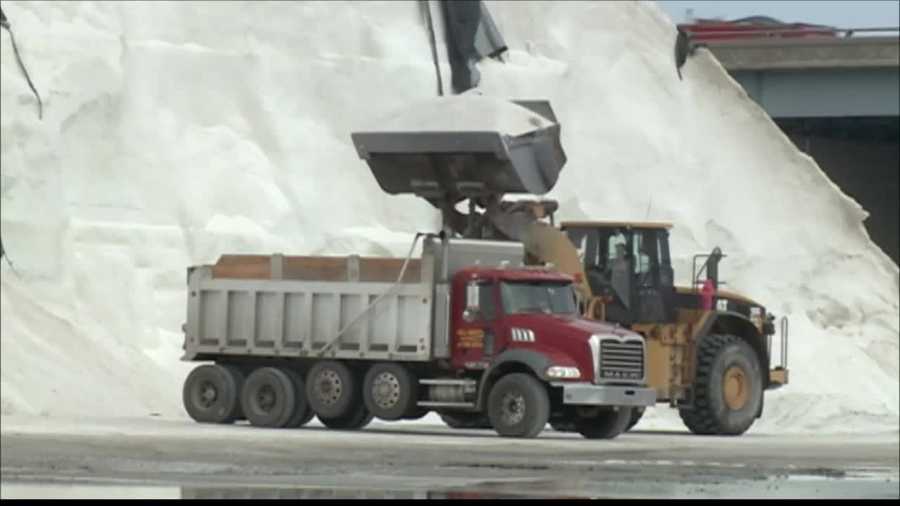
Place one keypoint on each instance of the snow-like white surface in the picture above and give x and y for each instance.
(462, 113)
(175, 132)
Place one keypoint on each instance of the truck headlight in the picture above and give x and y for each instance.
(560, 372)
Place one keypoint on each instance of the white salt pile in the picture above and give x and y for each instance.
(175, 132)
(460, 113)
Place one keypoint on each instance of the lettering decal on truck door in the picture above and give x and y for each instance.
(470, 338)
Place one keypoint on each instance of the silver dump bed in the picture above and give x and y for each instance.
(277, 306)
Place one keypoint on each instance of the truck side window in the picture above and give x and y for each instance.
(486, 301)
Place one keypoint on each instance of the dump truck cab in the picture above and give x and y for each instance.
(531, 315)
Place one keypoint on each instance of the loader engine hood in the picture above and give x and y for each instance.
(465, 146)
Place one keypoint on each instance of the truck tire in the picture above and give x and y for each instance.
(636, 415)
(357, 419)
(239, 377)
(606, 423)
(463, 420)
(331, 389)
(389, 391)
(519, 406)
(302, 412)
(269, 397)
(728, 387)
(211, 394)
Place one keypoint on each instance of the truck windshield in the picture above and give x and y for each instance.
(537, 297)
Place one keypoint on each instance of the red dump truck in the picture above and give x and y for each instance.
(465, 330)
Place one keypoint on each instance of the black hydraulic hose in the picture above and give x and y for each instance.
(5, 24)
(426, 5)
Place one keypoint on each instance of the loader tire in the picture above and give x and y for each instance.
(519, 406)
(606, 423)
(389, 391)
(332, 389)
(463, 420)
(357, 419)
(302, 412)
(269, 397)
(728, 387)
(211, 394)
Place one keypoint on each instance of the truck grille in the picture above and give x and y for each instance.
(621, 360)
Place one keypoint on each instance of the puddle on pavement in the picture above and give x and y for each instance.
(793, 487)
(37, 490)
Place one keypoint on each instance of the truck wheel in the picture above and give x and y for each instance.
(357, 419)
(462, 420)
(269, 397)
(389, 391)
(728, 387)
(519, 406)
(604, 423)
(210, 394)
(331, 389)
(239, 377)
(302, 412)
(636, 414)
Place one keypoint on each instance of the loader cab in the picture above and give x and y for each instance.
(628, 265)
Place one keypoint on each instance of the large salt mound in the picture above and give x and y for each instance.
(175, 132)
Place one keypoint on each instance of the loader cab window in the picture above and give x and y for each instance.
(617, 246)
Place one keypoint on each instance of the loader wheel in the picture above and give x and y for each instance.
(389, 391)
(302, 412)
(519, 406)
(636, 414)
(462, 420)
(603, 422)
(269, 398)
(211, 394)
(331, 389)
(728, 387)
(357, 419)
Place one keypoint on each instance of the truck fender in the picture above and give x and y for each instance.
(508, 361)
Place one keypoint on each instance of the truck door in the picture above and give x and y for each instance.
(476, 336)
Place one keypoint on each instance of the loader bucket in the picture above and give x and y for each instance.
(465, 146)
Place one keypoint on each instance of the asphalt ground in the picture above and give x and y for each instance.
(153, 457)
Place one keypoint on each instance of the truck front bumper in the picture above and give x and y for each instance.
(606, 395)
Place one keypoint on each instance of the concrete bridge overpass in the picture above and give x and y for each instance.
(838, 99)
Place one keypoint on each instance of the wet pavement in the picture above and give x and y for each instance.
(180, 459)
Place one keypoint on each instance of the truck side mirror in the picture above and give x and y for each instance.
(472, 297)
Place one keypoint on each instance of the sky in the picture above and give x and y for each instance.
(840, 14)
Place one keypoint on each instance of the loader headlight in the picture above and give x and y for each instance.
(560, 372)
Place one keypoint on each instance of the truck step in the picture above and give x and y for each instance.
(433, 404)
(455, 382)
